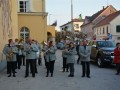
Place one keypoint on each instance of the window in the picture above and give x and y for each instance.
(118, 28)
(76, 26)
(107, 30)
(24, 33)
(23, 6)
(103, 31)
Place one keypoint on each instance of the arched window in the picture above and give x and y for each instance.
(24, 33)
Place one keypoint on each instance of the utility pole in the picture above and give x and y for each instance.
(72, 28)
(71, 10)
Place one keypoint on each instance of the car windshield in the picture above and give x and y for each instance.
(105, 43)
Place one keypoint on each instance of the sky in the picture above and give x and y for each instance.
(60, 10)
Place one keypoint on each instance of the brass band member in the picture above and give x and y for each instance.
(10, 51)
(31, 50)
(71, 52)
(50, 58)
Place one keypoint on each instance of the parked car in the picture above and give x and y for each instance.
(60, 46)
(102, 52)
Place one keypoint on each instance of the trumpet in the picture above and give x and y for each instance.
(47, 50)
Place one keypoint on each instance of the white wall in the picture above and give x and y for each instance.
(111, 29)
(113, 24)
(69, 25)
(79, 23)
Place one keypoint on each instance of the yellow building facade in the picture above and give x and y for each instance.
(8, 24)
(22, 19)
(51, 33)
(32, 19)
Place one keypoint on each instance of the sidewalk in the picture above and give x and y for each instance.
(101, 79)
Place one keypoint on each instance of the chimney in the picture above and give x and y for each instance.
(103, 7)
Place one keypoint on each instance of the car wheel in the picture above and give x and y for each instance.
(99, 62)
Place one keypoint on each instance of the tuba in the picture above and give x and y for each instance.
(11, 54)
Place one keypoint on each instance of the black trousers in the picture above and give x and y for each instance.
(50, 66)
(8, 68)
(23, 60)
(45, 62)
(19, 61)
(78, 60)
(65, 65)
(35, 66)
(85, 68)
(118, 67)
(11, 67)
(71, 66)
(31, 63)
(39, 61)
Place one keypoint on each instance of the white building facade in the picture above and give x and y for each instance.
(73, 26)
(112, 27)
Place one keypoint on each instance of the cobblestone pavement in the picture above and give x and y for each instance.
(101, 79)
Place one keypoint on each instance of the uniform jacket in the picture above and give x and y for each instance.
(85, 53)
(71, 55)
(64, 54)
(7, 51)
(50, 54)
(117, 55)
(45, 49)
(31, 51)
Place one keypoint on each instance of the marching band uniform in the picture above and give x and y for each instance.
(10, 51)
(45, 48)
(65, 65)
(30, 50)
(71, 60)
(85, 59)
(50, 59)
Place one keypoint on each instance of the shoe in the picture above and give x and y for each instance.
(117, 73)
(14, 75)
(88, 76)
(70, 75)
(51, 74)
(33, 76)
(36, 72)
(9, 75)
(82, 76)
(26, 76)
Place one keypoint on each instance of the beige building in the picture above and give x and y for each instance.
(91, 21)
(111, 24)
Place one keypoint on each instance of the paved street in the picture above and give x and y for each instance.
(101, 79)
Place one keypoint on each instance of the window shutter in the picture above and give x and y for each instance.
(27, 6)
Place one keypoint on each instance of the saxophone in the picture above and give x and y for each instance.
(11, 54)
